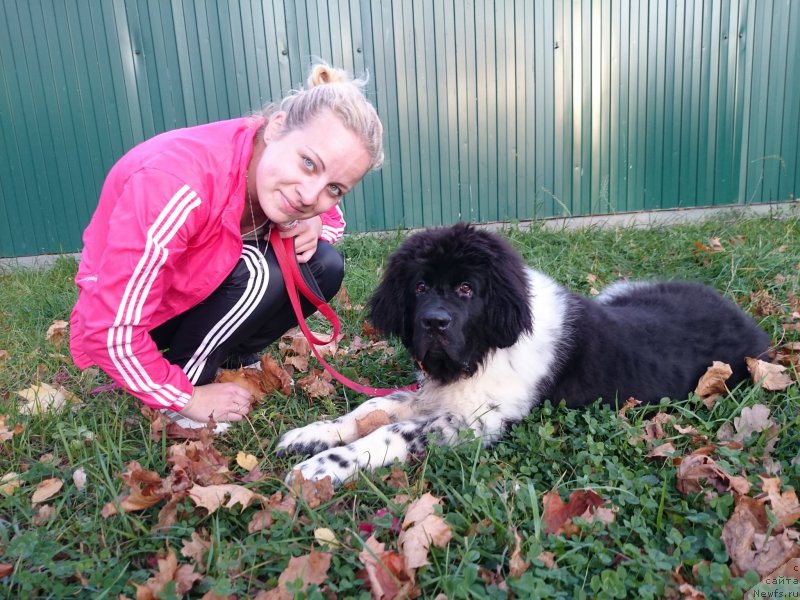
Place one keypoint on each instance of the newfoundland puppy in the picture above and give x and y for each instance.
(493, 338)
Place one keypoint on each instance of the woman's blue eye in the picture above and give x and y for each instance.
(335, 190)
(308, 163)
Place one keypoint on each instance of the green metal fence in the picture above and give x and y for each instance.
(494, 110)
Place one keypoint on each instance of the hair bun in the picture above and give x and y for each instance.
(322, 73)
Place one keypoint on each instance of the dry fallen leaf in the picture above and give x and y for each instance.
(747, 544)
(146, 489)
(311, 569)
(6, 433)
(557, 515)
(326, 537)
(712, 384)
(183, 577)
(785, 506)
(698, 467)
(196, 548)
(9, 483)
(42, 398)
(213, 497)
(317, 384)
(753, 419)
(371, 422)
(517, 564)
(79, 478)
(387, 572)
(56, 333)
(313, 493)
(263, 519)
(629, 403)
(769, 376)
(44, 513)
(247, 461)
(274, 377)
(46, 490)
(421, 528)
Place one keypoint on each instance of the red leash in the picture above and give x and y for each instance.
(287, 261)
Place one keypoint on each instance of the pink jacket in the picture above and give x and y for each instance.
(165, 235)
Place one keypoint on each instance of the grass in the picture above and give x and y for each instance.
(488, 494)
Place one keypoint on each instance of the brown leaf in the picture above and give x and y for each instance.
(387, 573)
(311, 569)
(274, 377)
(183, 576)
(42, 398)
(44, 513)
(421, 528)
(145, 489)
(397, 478)
(517, 564)
(750, 549)
(317, 384)
(548, 559)
(753, 419)
(374, 420)
(46, 490)
(196, 548)
(629, 403)
(313, 493)
(663, 451)
(698, 467)
(557, 515)
(263, 519)
(79, 478)
(6, 433)
(785, 506)
(6, 569)
(769, 376)
(712, 384)
(202, 462)
(213, 497)
(56, 333)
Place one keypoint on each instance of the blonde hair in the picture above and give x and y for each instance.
(329, 88)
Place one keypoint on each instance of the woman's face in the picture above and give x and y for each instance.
(305, 172)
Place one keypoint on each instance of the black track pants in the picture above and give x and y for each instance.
(248, 312)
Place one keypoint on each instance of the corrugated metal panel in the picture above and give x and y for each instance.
(494, 110)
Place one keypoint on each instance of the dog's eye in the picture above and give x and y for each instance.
(421, 287)
(464, 290)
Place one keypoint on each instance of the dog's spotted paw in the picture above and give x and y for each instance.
(337, 463)
(310, 439)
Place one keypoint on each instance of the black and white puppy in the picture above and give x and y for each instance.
(493, 338)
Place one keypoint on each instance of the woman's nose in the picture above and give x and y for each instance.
(309, 191)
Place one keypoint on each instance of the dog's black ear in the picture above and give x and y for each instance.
(508, 313)
(389, 309)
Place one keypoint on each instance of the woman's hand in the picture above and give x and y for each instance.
(225, 401)
(306, 236)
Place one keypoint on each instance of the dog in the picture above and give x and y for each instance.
(493, 338)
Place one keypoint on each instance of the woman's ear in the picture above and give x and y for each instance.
(274, 126)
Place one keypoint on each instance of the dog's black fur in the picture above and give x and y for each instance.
(493, 338)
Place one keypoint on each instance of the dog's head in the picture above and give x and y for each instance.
(453, 295)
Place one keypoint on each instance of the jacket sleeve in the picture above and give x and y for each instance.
(149, 228)
(333, 225)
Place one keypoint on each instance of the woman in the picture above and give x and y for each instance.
(176, 275)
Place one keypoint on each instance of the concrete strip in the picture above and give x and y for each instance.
(652, 218)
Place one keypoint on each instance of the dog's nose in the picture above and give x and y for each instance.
(436, 319)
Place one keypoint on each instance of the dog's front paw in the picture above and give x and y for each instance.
(310, 439)
(337, 463)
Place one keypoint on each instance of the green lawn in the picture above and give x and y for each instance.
(492, 500)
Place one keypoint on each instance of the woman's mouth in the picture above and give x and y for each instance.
(290, 209)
